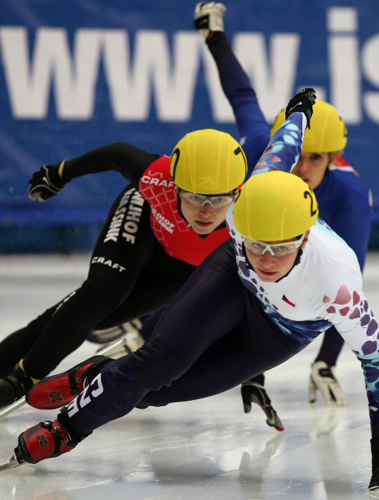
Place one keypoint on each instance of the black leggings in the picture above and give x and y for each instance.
(130, 275)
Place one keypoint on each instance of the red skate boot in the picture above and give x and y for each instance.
(44, 440)
(58, 390)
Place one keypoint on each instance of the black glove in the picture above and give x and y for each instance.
(374, 483)
(253, 391)
(45, 183)
(303, 101)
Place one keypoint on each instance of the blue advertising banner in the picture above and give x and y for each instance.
(78, 74)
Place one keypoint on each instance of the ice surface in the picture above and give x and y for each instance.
(201, 450)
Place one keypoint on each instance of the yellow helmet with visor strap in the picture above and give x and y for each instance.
(275, 206)
(208, 162)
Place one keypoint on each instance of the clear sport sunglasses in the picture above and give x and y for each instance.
(275, 249)
(215, 200)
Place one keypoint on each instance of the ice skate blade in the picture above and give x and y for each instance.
(11, 408)
(12, 464)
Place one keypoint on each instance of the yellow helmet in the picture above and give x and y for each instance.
(208, 162)
(328, 132)
(275, 206)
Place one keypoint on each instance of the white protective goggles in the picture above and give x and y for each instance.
(215, 201)
(275, 249)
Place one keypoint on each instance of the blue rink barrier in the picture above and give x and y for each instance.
(78, 75)
(39, 229)
(63, 230)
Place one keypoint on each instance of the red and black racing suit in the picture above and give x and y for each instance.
(144, 254)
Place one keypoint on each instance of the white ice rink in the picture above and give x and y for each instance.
(202, 450)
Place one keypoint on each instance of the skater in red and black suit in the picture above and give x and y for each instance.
(158, 230)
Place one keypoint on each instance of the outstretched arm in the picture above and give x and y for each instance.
(128, 160)
(251, 123)
(342, 302)
(284, 149)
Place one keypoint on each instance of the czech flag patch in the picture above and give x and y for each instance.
(288, 301)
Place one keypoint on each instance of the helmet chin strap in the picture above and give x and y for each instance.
(180, 208)
(297, 261)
